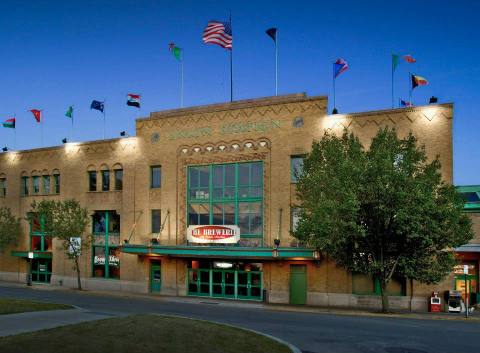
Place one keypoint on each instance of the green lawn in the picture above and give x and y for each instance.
(14, 306)
(141, 334)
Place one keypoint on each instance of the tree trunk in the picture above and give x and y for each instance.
(411, 294)
(77, 267)
(383, 290)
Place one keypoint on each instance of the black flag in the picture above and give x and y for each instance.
(272, 33)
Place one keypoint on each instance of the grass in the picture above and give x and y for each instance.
(14, 306)
(142, 334)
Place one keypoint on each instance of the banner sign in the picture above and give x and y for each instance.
(210, 234)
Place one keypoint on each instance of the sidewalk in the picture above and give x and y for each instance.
(14, 324)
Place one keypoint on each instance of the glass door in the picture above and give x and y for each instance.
(41, 270)
(250, 285)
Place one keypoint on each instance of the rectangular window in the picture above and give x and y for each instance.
(56, 183)
(296, 168)
(227, 194)
(294, 217)
(118, 179)
(46, 184)
(25, 186)
(92, 181)
(105, 180)
(3, 187)
(155, 177)
(36, 184)
(156, 221)
(106, 241)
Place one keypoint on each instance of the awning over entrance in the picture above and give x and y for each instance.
(469, 248)
(223, 252)
(32, 254)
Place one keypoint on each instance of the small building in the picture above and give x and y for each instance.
(202, 202)
(469, 254)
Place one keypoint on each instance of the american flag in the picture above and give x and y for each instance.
(219, 33)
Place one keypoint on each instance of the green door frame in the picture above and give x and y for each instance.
(35, 270)
(155, 281)
(250, 288)
(298, 284)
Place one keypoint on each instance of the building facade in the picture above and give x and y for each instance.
(202, 201)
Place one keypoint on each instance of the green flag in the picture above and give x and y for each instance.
(395, 58)
(176, 51)
(69, 112)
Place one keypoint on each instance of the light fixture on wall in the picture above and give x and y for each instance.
(64, 140)
(123, 133)
(5, 149)
(433, 100)
(275, 253)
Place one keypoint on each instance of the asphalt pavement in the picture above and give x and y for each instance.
(311, 332)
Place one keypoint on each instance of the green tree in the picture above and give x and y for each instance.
(9, 228)
(65, 221)
(382, 211)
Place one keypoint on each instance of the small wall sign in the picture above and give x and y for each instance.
(213, 234)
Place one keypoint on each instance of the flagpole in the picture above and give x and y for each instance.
(393, 99)
(410, 90)
(334, 101)
(181, 78)
(276, 63)
(231, 62)
(104, 118)
(42, 118)
(71, 131)
(15, 133)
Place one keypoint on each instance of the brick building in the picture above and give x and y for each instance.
(202, 201)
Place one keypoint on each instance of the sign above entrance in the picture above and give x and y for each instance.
(210, 234)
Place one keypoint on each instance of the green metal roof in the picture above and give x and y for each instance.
(471, 193)
(220, 251)
(35, 254)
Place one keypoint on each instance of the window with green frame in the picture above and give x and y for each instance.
(106, 244)
(227, 194)
(39, 240)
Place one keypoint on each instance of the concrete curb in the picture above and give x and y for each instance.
(293, 348)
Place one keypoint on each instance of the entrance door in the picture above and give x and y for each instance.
(155, 277)
(298, 284)
(41, 270)
(250, 285)
(223, 283)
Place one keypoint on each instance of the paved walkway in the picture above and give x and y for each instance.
(14, 324)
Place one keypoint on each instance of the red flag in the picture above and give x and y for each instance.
(37, 114)
(409, 59)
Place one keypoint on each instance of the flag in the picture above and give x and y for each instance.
(9, 123)
(405, 103)
(133, 100)
(394, 61)
(176, 51)
(272, 33)
(69, 112)
(97, 105)
(409, 59)
(219, 33)
(339, 67)
(37, 114)
(418, 81)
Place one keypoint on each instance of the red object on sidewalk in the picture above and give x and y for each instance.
(435, 303)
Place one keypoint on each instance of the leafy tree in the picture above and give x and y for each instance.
(9, 228)
(382, 211)
(65, 221)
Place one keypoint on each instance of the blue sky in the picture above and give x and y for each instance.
(58, 53)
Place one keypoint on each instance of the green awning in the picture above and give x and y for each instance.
(222, 252)
(32, 254)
